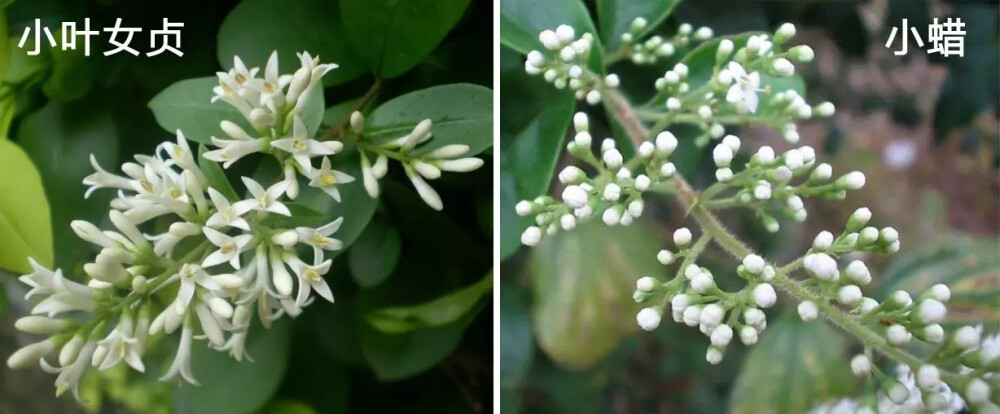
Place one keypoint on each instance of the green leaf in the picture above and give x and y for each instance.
(616, 16)
(966, 264)
(516, 344)
(439, 312)
(535, 119)
(5, 49)
(394, 35)
(187, 105)
(72, 74)
(795, 367)
(522, 20)
(578, 276)
(231, 386)
(216, 177)
(375, 254)
(462, 114)
(25, 226)
(288, 407)
(60, 138)
(22, 67)
(255, 28)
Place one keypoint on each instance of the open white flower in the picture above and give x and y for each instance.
(311, 278)
(229, 248)
(226, 214)
(327, 179)
(181, 367)
(745, 87)
(191, 276)
(231, 150)
(264, 200)
(70, 374)
(319, 238)
(101, 179)
(270, 87)
(121, 344)
(301, 147)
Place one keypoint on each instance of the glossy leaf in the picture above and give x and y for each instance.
(5, 44)
(394, 35)
(231, 386)
(216, 177)
(461, 114)
(439, 312)
(795, 367)
(187, 105)
(616, 17)
(25, 225)
(532, 132)
(516, 344)
(578, 276)
(522, 20)
(255, 28)
(60, 138)
(375, 254)
(967, 265)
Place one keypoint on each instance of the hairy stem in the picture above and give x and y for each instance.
(689, 199)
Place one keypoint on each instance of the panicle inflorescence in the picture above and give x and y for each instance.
(772, 184)
(221, 257)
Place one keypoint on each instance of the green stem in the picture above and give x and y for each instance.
(689, 199)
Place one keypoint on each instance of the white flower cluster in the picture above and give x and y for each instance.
(564, 63)
(766, 181)
(651, 50)
(615, 193)
(235, 258)
(429, 165)
(696, 300)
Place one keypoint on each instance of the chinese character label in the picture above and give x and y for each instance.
(947, 39)
(166, 39)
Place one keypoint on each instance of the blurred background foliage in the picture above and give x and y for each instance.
(923, 128)
(407, 333)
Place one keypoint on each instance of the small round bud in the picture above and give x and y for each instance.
(928, 378)
(802, 53)
(575, 196)
(594, 97)
(645, 284)
(861, 365)
(783, 67)
(705, 112)
(867, 305)
(940, 292)
(852, 181)
(723, 174)
(732, 141)
(722, 155)
(681, 69)
(868, 235)
(612, 192)
(646, 149)
(822, 266)
(764, 295)
(754, 317)
(967, 337)
(711, 315)
(692, 315)
(748, 335)
(580, 122)
(823, 240)
(933, 333)
(612, 158)
(583, 139)
(849, 295)
(900, 299)
(897, 335)
(753, 263)
(666, 142)
(888, 235)
(642, 182)
(612, 80)
(684, 29)
(673, 104)
(702, 283)
(668, 169)
(762, 191)
(665, 257)
(682, 237)
(897, 393)
(713, 355)
(825, 109)
(648, 318)
(822, 172)
(977, 392)
(931, 311)
(531, 236)
(721, 335)
(857, 272)
(765, 155)
(724, 50)
(703, 33)
(808, 310)
(671, 77)
(785, 31)
(524, 208)
(611, 216)
(549, 39)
